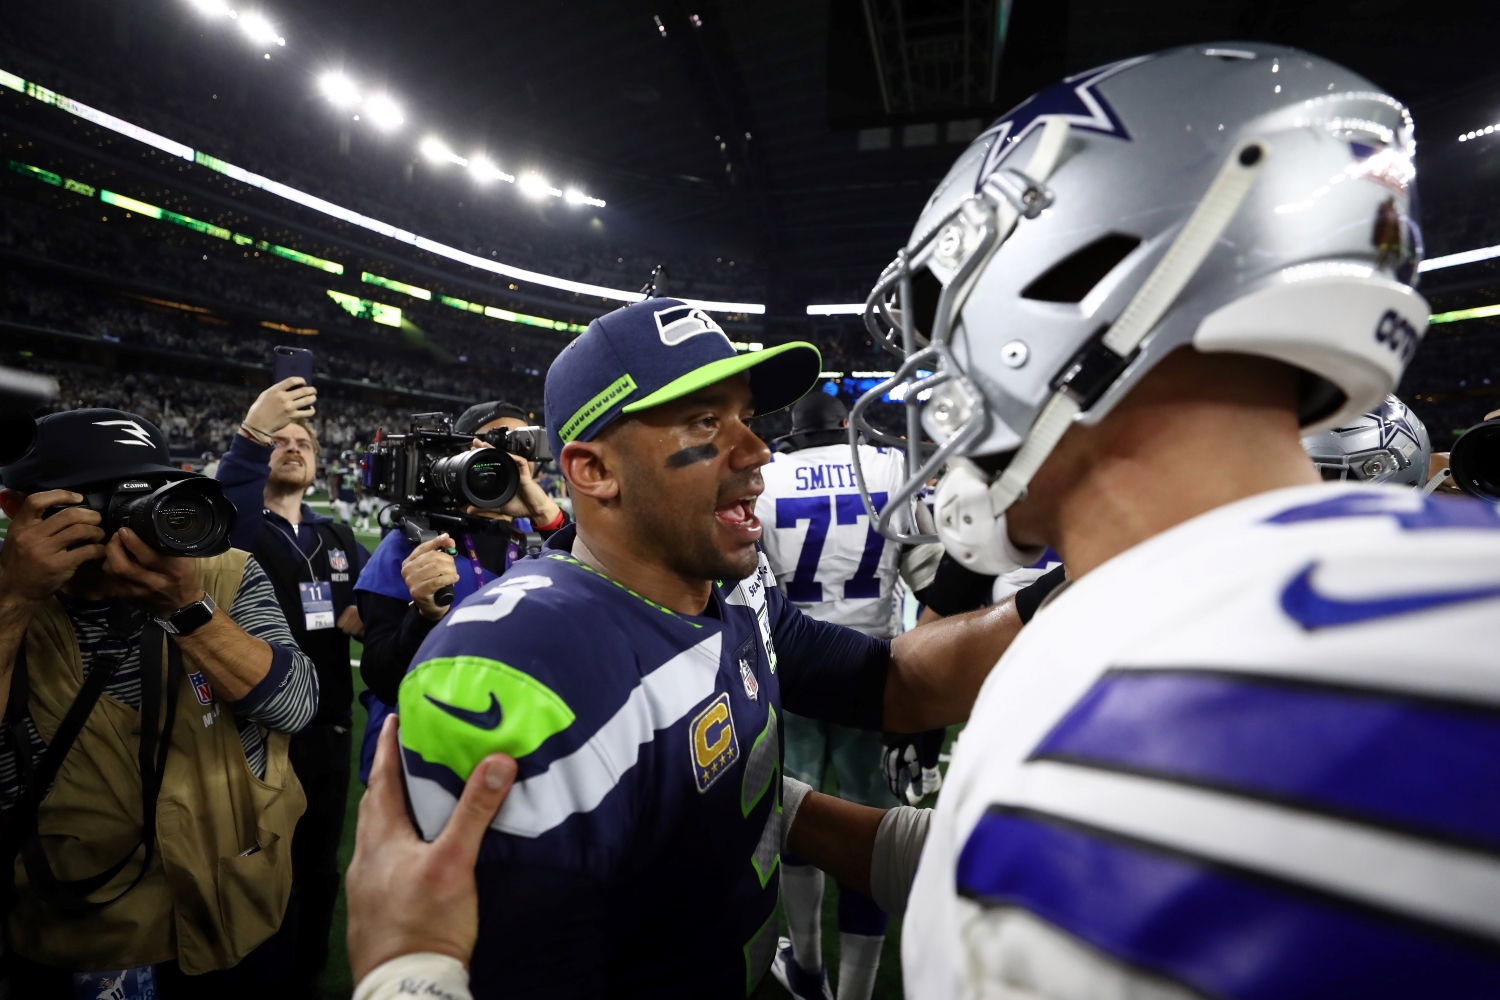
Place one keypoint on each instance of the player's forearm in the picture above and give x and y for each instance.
(936, 669)
(836, 836)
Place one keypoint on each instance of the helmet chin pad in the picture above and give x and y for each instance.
(968, 527)
(1347, 322)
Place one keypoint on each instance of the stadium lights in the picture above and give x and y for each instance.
(1487, 130)
(215, 7)
(383, 112)
(573, 196)
(536, 186)
(339, 89)
(837, 309)
(1454, 259)
(259, 30)
(353, 218)
(435, 151)
(484, 171)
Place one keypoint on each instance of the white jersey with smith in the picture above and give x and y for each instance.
(1253, 757)
(827, 556)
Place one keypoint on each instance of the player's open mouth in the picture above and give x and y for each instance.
(738, 515)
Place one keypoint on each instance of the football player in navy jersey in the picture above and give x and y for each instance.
(637, 670)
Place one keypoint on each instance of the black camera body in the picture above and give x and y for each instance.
(528, 442)
(1475, 461)
(431, 468)
(176, 516)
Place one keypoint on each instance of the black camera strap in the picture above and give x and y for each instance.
(70, 896)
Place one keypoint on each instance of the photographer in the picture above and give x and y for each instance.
(397, 588)
(312, 562)
(153, 822)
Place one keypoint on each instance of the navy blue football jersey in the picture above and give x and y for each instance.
(649, 752)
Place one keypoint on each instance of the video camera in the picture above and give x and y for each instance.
(430, 475)
(431, 467)
(1475, 461)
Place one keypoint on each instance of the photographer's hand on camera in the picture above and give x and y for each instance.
(39, 556)
(277, 406)
(157, 584)
(530, 500)
(429, 568)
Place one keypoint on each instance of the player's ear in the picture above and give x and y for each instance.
(588, 467)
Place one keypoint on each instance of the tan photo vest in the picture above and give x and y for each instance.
(218, 882)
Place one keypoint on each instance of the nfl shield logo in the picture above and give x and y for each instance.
(200, 686)
(747, 674)
(337, 561)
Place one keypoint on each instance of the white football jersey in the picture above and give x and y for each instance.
(828, 559)
(1255, 756)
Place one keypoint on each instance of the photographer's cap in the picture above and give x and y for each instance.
(656, 351)
(81, 447)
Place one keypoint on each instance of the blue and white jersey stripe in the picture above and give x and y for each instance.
(1254, 757)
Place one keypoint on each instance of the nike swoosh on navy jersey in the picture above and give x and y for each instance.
(1312, 610)
(488, 719)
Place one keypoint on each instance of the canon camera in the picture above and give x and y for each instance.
(186, 516)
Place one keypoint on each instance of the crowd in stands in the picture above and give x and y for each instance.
(200, 416)
(300, 150)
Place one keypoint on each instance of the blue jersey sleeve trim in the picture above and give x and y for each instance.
(382, 573)
(1221, 931)
(1415, 765)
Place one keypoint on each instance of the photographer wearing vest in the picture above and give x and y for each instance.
(397, 590)
(148, 698)
(312, 561)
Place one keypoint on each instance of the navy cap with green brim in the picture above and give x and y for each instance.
(656, 351)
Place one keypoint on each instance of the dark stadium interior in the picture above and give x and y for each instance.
(750, 153)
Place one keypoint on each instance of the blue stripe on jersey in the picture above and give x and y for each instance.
(1224, 932)
(1417, 765)
(1410, 513)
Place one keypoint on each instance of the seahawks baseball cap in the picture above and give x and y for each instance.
(656, 351)
(80, 447)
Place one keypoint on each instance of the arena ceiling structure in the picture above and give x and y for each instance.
(776, 150)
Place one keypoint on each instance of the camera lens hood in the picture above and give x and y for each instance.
(1475, 461)
(186, 517)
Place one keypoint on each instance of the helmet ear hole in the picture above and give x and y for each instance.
(926, 289)
(1073, 277)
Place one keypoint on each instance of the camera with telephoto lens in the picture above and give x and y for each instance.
(1475, 461)
(431, 468)
(175, 515)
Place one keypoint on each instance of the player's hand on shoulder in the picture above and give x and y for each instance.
(407, 896)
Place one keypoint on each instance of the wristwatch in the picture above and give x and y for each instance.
(188, 619)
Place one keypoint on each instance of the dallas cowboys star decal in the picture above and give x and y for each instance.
(1394, 425)
(1073, 99)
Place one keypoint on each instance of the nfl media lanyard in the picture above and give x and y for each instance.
(474, 561)
(312, 574)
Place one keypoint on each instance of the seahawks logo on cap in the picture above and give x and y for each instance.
(138, 434)
(678, 323)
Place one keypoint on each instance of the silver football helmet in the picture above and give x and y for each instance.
(1387, 445)
(1242, 198)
